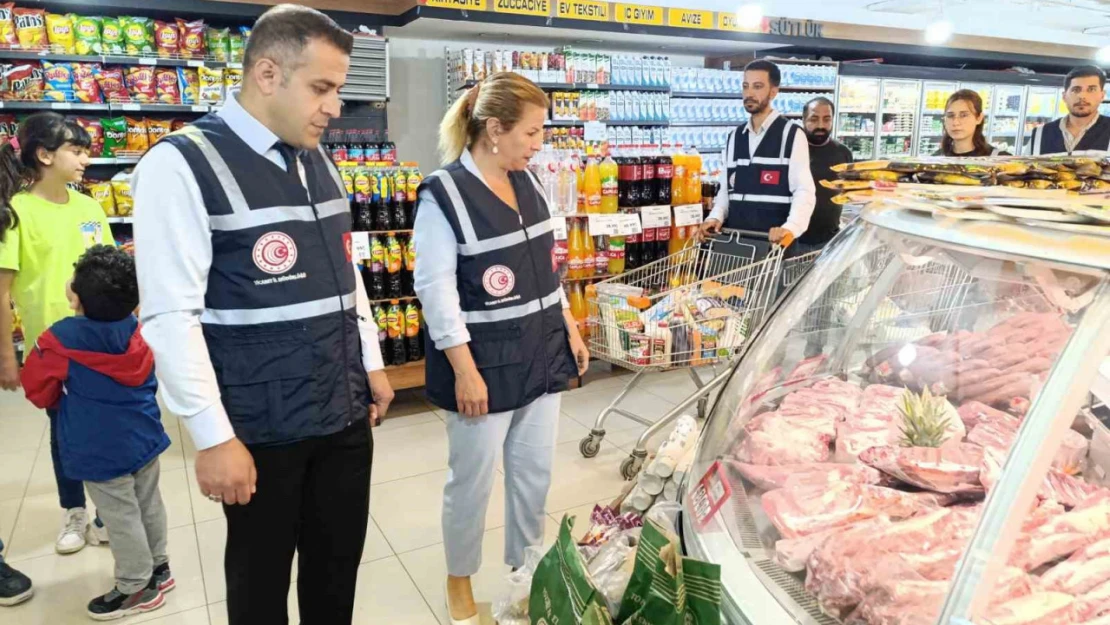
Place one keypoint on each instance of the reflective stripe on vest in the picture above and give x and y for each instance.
(292, 312)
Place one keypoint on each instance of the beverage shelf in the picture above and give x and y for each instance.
(387, 300)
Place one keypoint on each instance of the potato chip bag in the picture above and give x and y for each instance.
(7, 25)
(96, 134)
(189, 83)
(211, 90)
(30, 27)
(233, 78)
(158, 128)
(85, 87)
(86, 35)
(219, 43)
(193, 44)
(8, 128)
(101, 191)
(59, 32)
(58, 78)
(121, 192)
(235, 48)
(138, 35)
(115, 135)
(140, 84)
(24, 82)
(112, 85)
(167, 39)
(166, 85)
(137, 140)
(111, 35)
(246, 32)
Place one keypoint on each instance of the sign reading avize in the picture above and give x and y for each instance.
(541, 8)
(689, 18)
(591, 10)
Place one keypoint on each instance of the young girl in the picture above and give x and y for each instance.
(44, 228)
(963, 127)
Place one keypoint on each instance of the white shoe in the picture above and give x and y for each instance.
(71, 539)
(474, 620)
(97, 534)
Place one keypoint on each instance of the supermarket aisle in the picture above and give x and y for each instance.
(400, 582)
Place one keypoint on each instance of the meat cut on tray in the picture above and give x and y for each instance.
(798, 512)
(770, 477)
(951, 468)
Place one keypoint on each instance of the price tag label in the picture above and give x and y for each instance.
(196, 63)
(559, 228)
(628, 225)
(61, 106)
(592, 85)
(594, 132)
(656, 216)
(687, 215)
(604, 225)
(200, 108)
(360, 246)
(147, 61)
(709, 494)
(235, 66)
(132, 107)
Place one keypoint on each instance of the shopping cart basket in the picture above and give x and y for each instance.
(692, 309)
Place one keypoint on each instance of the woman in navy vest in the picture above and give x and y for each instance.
(502, 344)
(963, 127)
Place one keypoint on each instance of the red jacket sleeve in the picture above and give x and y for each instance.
(43, 373)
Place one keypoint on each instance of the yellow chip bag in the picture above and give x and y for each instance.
(121, 191)
(211, 90)
(102, 192)
(59, 31)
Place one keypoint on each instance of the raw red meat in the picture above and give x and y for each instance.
(1039, 608)
(1061, 536)
(772, 477)
(806, 368)
(820, 422)
(973, 413)
(798, 512)
(783, 446)
(1077, 577)
(852, 440)
(792, 553)
(952, 468)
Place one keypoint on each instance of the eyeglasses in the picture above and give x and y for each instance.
(962, 116)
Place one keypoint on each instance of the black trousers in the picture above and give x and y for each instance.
(313, 497)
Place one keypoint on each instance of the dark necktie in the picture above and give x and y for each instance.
(289, 155)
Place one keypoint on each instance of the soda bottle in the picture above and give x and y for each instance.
(397, 185)
(576, 251)
(693, 176)
(609, 185)
(577, 301)
(378, 189)
(363, 190)
(678, 185)
(662, 242)
(394, 262)
(647, 247)
(664, 173)
(339, 153)
(377, 269)
(356, 153)
(589, 254)
(347, 175)
(395, 326)
(411, 190)
(378, 314)
(413, 347)
(409, 250)
(601, 255)
(616, 255)
(592, 188)
(581, 174)
(364, 219)
(647, 187)
(388, 153)
(560, 257)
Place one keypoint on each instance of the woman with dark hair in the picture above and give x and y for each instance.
(45, 226)
(963, 127)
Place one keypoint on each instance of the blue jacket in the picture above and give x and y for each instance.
(99, 376)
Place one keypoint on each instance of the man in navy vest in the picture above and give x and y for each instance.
(766, 185)
(1083, 128)
(260, 323)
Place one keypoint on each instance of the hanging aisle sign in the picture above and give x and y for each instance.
(591, 10)
(541, 8)
(690, 18)
(639, 14)
(474, 5)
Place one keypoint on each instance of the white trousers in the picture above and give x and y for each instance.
(527, 436)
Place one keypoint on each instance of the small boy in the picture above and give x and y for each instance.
(97, 371)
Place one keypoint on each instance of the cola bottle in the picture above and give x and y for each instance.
(647, 185)
(624, 178)
(664, 174)
(635, 178)
(377, 269)
(364, 218)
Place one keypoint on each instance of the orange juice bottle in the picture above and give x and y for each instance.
(576, 251)
(678, 182)
(577, 301)
(693, 176)
(589, 253)
(592, 188)
(608, 172)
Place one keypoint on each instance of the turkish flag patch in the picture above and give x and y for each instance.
(769, 177)
(347, 246)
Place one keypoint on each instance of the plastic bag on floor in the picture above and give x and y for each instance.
(511, 607)
(668, 589)
(611, 567)
(562, 590)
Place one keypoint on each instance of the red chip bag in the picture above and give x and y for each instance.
(167, 38)
(96, 133)
(112, 85)
(165, 81)
(24, 82)
(192, 40)
(140, 84)
(85, 88)
(7, 25)
(8, 128)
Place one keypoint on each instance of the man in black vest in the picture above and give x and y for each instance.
(766, 185)
(1083, 128)
(259, 321)
(824, 152)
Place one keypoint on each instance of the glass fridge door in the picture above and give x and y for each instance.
(931, 128)
(1041, 106)
(857, 112)
(901, 101)
(1004, 123)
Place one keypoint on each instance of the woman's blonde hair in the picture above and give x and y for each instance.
(501, 96)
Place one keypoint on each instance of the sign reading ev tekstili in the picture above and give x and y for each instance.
(591, 10)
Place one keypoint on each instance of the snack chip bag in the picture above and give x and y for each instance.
(112, 84)
(59, 81)
(211, 89)
(138, 35)
(165, 81)
(233, 78)
(85, 88)
(24, 82)
(140, 84)
(121, 191)
(86, 35)
(59, 32)
(189, 83)
(96, 134)
(137, 140)
(115, 135)
(111, 35)
(235, 48)
(192, 39)
(158, 128)
(101, 191)
(167, 38)
(30, 27)
(8, 128)
(246, 32)
(7, 25)
(219, 43)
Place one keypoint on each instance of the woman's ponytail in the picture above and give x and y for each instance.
(11, 182)
(501, 96)
(454, 130)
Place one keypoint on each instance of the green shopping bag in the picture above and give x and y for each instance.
(668, 589)
(562, 591)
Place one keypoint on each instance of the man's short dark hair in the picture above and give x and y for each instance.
(818, 101)
(104, 279)
(1085, 71)
(760, 65)
(283, 32)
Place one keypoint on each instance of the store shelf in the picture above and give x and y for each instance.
(120, 160)
(397, 231)
(937, 113)
(406, 376)
(160, 108)
(804, 89)
(708, 123)
(582, 86)
(895, 134)
(113, 59)
(707, 95)
(607, 123)
(406, 298)
(845, 112)
(120, 220)
(19, 105)
(855, 134)
(906, 112)
(588, 278)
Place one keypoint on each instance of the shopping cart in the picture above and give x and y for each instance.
(695, 308)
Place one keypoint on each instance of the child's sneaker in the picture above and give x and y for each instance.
(71, 539)
(164, 578)
(98, 533)
(15, 587)
(115, 604)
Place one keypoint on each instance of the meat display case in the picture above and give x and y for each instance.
(910, 332)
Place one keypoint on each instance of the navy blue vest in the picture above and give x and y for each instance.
(1049, 139)
(759, 186)
(509, 292)
(279, 318)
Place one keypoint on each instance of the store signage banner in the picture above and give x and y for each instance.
(472, 5)
(690, 18)
(590, 10)
(639, 14)
(541, 8)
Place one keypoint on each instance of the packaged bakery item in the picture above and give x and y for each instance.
(121, 192)
(233, 78)
(211, 90)
(235, 48)
(102, 192)
(189, 83)
(167, 39)
(140, 84)
(59, 32)
(138, 35)
(166, 85)
(112, 84)
(30, 27)
(85, 87)
(96, 134)
(7, 25)
(219, 44)
(137, 140)
(192, 38)
(23, 82)
(86, 35)
(115, 135)
(158, 128)
(58, 79)
(111, 35)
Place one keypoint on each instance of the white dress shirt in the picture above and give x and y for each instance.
(173, 253)
(800, 179)
(435, 277)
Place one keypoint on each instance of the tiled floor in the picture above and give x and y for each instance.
(400, 582)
